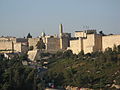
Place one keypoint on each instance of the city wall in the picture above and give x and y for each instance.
(53, 44)
(110, 41)
(76, 45)
(89, 43)
(33, 42)
(6, 46)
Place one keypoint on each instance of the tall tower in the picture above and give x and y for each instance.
(64, 40)
(61, 30)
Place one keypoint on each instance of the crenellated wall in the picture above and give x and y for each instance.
(90, 43)
(110, 41)
(12, 44)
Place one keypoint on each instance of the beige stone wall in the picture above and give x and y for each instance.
(76, 45)
(33, 42)
(64, 43)
(17, 47)
(98, 42)
(10, 43)
(34, 55)
(53, 44)
(6, 45)
(13, 39)
(89, 43)
(80, 34)
(110, 41)
(92, 43)
(3, 39)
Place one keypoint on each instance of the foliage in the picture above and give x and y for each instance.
(40, 44)
(15, 76)
(92, 70)
(96, 70)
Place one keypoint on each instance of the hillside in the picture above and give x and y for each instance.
(93, 70)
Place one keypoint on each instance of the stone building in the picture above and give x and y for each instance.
(52, 43)
(110, 41)
(89, 41)
(12, 44)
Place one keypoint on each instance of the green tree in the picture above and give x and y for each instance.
(40, 44)
(67, 54)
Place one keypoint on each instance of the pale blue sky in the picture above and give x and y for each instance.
(18, 17)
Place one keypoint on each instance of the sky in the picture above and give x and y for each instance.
(19, 17)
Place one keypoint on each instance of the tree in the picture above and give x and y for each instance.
(29, 35)
(81, 54)
(118, 47)
(31, 48)
(101, 33)
(40, 44)
(68, 54)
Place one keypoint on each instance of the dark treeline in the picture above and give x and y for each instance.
(15, 76)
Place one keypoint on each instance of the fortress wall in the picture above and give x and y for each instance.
(33, 42)
(98, 43)
(13, 39)
(80, 34)
(64, 43)
(6, 45)
(53, 44)
(3, 39)
(76, 45)
(89, 43)
(110, 41)
(17, 47)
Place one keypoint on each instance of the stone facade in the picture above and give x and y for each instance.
(110, 41)
(76, 45)
(6, 46)
(33, 42)
(52, 43)
(12, 44)
(92, 43)
(89, 41)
